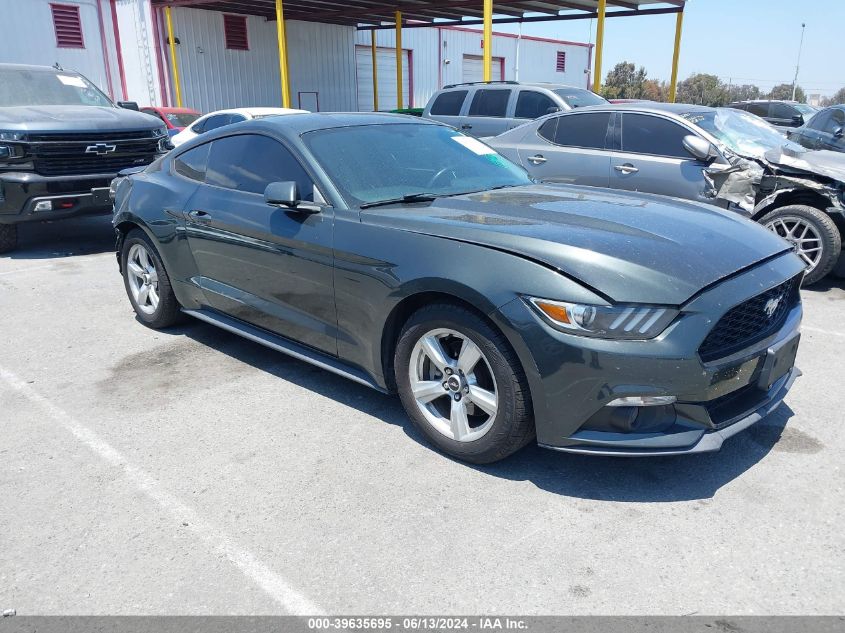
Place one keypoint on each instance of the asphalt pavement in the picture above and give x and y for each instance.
(193, 472)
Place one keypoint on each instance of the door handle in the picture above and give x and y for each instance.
(537, 159)
(626, 169)
(466, 126)
(198, 215)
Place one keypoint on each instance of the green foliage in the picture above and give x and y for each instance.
(624, 81)
(838, 97)
(702, 89)
(783, 92)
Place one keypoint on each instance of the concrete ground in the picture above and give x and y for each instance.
(192, 472)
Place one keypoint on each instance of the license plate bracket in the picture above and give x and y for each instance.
(778, 361)
(100, 196)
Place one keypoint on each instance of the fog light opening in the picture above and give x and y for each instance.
(44, 205)
(642, 401)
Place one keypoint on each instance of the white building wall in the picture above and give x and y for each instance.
(437, 57)
(28, 38)
(137, 40)
(320, 58)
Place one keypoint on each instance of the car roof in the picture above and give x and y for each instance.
(653, 107)
(508, 84)
(167, 109)
(311, 121)
(257, 111)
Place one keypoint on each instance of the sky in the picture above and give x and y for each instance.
(743, 41)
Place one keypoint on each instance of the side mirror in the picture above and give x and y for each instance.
(798, 120)
(552, 110)
(837, 133)
(286, 194)
(128, 105)
(699, 148)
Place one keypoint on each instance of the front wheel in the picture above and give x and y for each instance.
(813, 234)
(8, 237)
(462, 385)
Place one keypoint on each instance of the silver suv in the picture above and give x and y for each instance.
(491, 107)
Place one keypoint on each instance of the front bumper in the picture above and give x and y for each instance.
(573, 378)
(20, 193)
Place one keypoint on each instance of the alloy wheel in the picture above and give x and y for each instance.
(802, 235)
(143, 279)
(453, 385)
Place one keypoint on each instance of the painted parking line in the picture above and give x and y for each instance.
(273, 584)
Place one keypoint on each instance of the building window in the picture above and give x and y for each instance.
(560, 66)
(234, 27)
(67, 25)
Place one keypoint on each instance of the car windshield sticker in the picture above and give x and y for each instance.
(473, 145)
(70, 80)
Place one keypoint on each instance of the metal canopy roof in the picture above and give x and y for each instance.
(374, 12)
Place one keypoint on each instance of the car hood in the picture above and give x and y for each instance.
(820, 162)
(629, 248)
(75, 119)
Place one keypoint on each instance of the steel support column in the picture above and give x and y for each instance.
(599, 45)
(173, 63)
(399, 95)
(673, 85)
(488, 40)
(375, 70)
(281, 38)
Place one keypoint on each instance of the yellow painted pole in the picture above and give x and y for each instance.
(673, 85)
(399, 95)
(599, 46)
(375, 69)
(281, 37)
(173, 63)
(488, 40)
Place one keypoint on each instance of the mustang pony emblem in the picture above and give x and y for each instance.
(772, 305)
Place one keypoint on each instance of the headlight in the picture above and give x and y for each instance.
(162, 131)
(11, 136)
(631, 322)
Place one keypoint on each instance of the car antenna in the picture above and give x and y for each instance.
(57, 66)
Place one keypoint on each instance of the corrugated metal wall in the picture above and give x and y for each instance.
(321, 60)
(137, 40)
(433, 69)
(28, 38)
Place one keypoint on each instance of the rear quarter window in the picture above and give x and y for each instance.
(193, 163)
(449, 103)
(492, 103)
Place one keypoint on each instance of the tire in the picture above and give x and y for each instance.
(8, 237)
(477, 436)
(157, 314)
(822, 244)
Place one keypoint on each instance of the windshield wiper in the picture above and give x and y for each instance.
(406, 199)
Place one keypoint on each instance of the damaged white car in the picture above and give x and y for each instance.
(717, 155)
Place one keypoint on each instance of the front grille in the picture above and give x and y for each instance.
(88, 137)
(67, 158)
(751, 321)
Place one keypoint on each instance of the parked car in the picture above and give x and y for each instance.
(823, 131)
(783, 115)
(174, 119)
(62, 141)
(490, 108)
(717, 155)
(409, 257)
(219, 118)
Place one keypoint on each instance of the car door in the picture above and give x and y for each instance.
(487, 112)
(830, 131)
(570, 148)
(651, 157)
(783, 115)
(268, 266)
(447, 107)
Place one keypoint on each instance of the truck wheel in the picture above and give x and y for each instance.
(147, 282)
(813, 234)
(8, 237)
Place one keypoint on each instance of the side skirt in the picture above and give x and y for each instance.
(285, 346)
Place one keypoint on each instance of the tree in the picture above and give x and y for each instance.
(744, 92)
(624, 81)
(783, 92)
(838, 97)
(654, 90)
(702, 89)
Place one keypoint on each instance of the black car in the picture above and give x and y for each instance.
(784, 115)
(412, 258)
(62, 141)
(826, 130)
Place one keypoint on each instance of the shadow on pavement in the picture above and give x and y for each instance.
(661, 479)
(85, 235)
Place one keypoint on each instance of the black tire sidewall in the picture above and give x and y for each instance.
(498, 442)
(165, 313)
(827, 230)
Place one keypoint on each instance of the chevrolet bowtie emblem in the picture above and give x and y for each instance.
(100, 149)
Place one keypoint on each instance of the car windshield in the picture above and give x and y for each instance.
(578, 98)
(372, 163)
(44, 87)
(803, 108)
(181, 119)
(743, 133)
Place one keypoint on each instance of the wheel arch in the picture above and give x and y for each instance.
(789, 197)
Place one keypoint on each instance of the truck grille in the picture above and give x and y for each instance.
(101, 153)
(751, 321)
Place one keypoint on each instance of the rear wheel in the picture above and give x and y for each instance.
(813, 234)
(462, 385)
(8, 237)
(147, 283)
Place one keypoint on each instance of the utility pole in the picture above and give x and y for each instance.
(797, 63)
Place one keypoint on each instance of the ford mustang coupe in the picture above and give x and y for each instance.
(411, 258)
